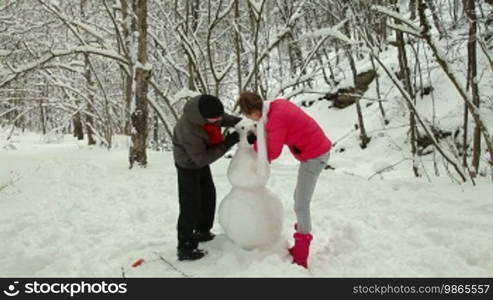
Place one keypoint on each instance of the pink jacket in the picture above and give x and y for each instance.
(287, 124)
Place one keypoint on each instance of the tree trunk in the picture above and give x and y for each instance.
(405, 72)
(90, 86)
(361, 124)
(456, 11)
(295, 55)
(137, 151)
(294, 52)
(474, 110)
(465, 144)
(470, 9)
(412, 9)
(436, 19)
(127, 29)
(256, 24)
(193, 10)
(156, 132)
(42, 116)
(379, 96)
(90, 105)
(78, 131)
(428, 131)
(238, 44)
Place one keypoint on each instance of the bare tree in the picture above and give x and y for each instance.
(436, 19)
(361, 124)
(90, 86)
(470, 9)
(406, 76)
(443, 63)
(214, 18)
(136, 18)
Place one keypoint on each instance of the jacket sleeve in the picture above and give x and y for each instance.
(201, 154)
(229, 120)
(276, 136)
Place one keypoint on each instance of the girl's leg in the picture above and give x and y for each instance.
(308, 174)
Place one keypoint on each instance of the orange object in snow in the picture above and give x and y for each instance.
(138, 262)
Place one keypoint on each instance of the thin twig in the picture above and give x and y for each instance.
(12, 180)
(173, 266)
(387, 167)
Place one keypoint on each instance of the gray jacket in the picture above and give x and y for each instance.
(190, 140)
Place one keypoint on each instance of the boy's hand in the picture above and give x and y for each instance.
(231, 139)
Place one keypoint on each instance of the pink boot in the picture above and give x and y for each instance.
(292, 248)
(301, 248)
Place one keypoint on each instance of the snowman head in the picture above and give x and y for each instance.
(245, 127)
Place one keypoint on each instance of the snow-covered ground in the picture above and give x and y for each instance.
(73, 211)
(69, 210)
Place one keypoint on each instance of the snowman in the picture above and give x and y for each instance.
(250, 214)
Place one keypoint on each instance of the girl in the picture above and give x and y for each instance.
(287, 124)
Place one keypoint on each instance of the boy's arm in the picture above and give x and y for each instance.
(229, 120)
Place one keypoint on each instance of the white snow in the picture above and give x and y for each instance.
(257, 5)
(184, 93)
(334, 31)
(245, 163)
(251, 215)
(69, 210)
(395, 15)
(252, 218)
(78, 211)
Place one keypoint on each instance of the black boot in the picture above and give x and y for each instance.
(204, 236)
(190, 254)
(188, 251)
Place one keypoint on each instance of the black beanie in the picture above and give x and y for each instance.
(210, 107)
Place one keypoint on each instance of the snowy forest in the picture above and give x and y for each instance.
(404, 89)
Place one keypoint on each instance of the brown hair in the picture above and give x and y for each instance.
(249, 102)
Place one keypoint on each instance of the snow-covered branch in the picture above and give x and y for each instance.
(165, 98)
(20, 70)
(405, 29)
(334, 31)
(441, 59)
(413, 108)
(384, 10)
(276, 92)
(264, 54)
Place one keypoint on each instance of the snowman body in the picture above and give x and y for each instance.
(250, 214)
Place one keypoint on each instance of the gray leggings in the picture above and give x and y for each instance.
(308, 174)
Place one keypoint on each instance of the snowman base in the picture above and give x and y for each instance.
(251, 218)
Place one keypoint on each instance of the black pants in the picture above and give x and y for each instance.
(197, 195)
